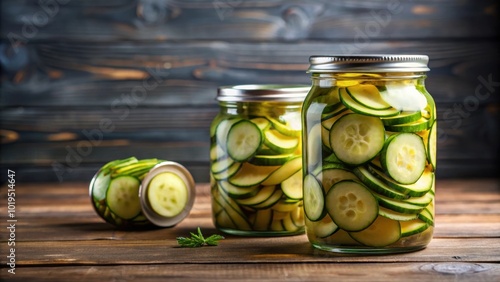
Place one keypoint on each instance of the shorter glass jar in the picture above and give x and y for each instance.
(369, 154)
(256, 160)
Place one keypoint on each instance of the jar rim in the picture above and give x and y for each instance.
(368, 63)
(263, 92)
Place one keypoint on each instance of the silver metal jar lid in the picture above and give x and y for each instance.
(179, 170)
(368, 63)
(263, 92)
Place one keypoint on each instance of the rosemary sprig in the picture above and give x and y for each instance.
(197, 240)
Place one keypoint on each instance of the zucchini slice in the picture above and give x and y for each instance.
(243, 140)
(168, 194)
(403, 157)
(351, 205)
(356, 139)
(382, 232)
(122, 197)
(314, 199)
(368, 95)
(356, 107)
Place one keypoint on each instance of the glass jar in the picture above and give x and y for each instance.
(369, 152)
(256, 160)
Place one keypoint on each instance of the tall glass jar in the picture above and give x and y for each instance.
(256, 160)
(369, 152)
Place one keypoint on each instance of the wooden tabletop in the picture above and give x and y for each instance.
(59, 237)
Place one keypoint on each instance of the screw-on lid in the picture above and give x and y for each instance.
(368, 63)
(263, 92)
(185, 176)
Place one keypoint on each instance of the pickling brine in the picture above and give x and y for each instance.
(369, 151)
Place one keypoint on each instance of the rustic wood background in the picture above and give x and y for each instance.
(85, 82)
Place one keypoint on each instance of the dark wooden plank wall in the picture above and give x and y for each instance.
(84, 82)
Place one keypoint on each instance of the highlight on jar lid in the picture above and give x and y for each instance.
(263, 92)
(167, 194)
(368, 63)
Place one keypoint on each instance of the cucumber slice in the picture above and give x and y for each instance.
(376, 184)
(122, 197)
(398, 205)
(250, 175)
(382, 232)
(314, 199)
(385, 212)
(351, 205)
(225, 174)
(284, 172)
(167, 194)
(292, 128)
(413, 227)
(261, 122)
(314, 146)
(222, 130)
(221, 165)
(431, 105)
(223, 220)
(234, 212)
(292, 186)
(426, 216)
(283, 206)
(402, 118)
(341, 237)
(323, 228)
(271, 160)
(238, 192)
(368, 95)
(262, 195)
(403, 157)
(403, 97)
(422, 201)
(356, 107)
(100, 185)
(417, 189)
(297, 216)
(263, 220)
(271, 201)
(243, 140)
(289, 225)
(415, 126)
(216, 152)
(431, 145)
(356, 139)
(332, 174)
(279, 142)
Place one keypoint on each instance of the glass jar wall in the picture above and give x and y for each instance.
(369, 153)
(256, 160)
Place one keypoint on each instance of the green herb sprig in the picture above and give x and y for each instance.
(197, 240)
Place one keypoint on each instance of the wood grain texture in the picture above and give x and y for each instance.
(60, 237)
(150, 70)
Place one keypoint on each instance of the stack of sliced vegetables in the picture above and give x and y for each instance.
(115, 191)
(370, 162)
(256, 175)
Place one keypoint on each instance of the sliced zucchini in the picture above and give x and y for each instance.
(377, 185)
(398, 205)
(264, 193)
(223, 220)
(222, 130)
(261, 122)
(314, 146)
(356, 139)
(314, 199)
(225, 174)
(235, 213)
(331, 175)
(292, 128)
(413, 227)
(385, 212)
(271, 160)
(263, 220)
(100, 185)
(280, 142)
(243, 140)
(382, 232)
(356, 107)
(271, 201)
(323, 228)
(403, 157)
(238, 192)
(403, 97)
(167, 194)
(402, 118)
(426, 216)
(292, 186)
(250, 175)
(431, 145)
(221, 165)
(368, 95)
(122, 197)
(414, 126)
(417, 189)
(289, 225)
(284, 172)
(351, 205)
(216, 152)
(423, 201)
